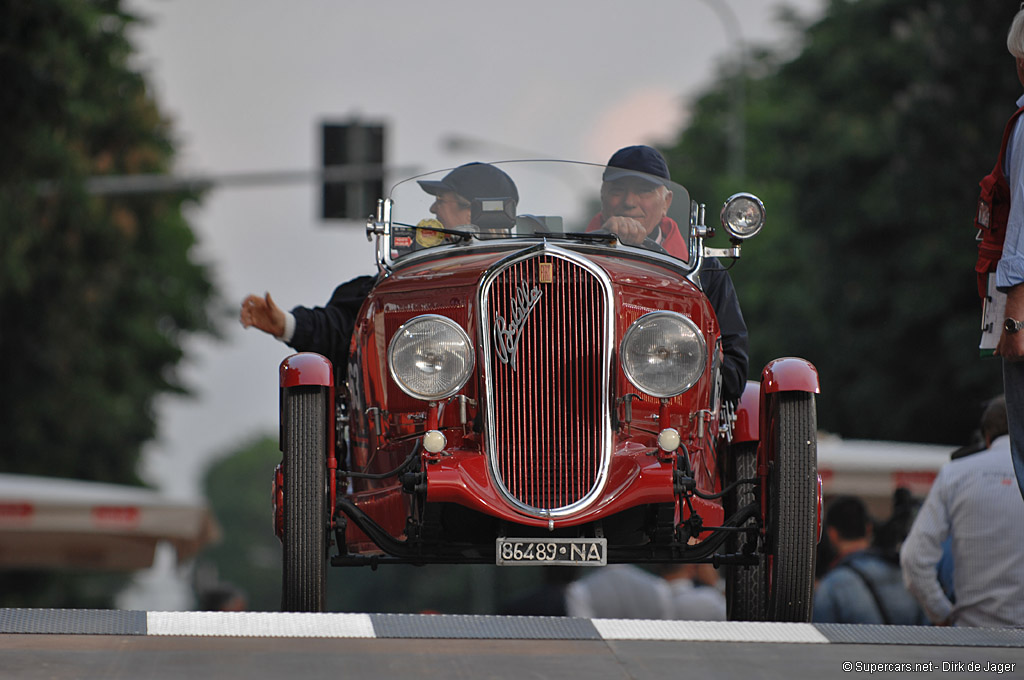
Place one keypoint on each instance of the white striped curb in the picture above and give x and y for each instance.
(260, 624)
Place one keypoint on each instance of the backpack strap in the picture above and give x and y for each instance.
(886, 619)
(1007, 131)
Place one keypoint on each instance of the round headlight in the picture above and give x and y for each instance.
(430, 357)
(663, 353)
(743, 215)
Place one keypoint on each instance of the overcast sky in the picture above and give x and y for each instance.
(247, 82)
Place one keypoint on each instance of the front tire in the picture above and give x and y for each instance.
(745, 585)
(306, 514)
(792, 507)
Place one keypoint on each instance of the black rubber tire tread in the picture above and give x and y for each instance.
(793, 507)
(745, 586)
(304, 572)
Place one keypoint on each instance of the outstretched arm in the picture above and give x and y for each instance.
(264, 314)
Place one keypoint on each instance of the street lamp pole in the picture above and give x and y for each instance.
(738, 145)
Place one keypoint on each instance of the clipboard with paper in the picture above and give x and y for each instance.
(992, 313)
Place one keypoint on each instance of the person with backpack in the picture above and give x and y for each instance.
(865, 585)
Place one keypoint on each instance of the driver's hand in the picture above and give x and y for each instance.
(263, 313)
(628, 229)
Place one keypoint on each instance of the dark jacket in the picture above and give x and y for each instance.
(328, 330)
(717, 285)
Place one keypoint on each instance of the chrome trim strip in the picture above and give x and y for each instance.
(607, 363)
(384, 263)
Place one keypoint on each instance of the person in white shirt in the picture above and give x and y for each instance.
(976, 501)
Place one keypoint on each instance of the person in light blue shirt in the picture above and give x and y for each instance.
(864, 586)
(1010, 270)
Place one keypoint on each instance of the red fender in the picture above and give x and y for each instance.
(747, 425)
(781, 375)
(307, 368)
(790, 374)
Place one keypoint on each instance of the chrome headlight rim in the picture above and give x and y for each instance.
(460, 379)
(732, 206)
(634, 328)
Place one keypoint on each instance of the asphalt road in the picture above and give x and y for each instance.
(269, 646)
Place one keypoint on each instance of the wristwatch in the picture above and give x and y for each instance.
(1012, 325)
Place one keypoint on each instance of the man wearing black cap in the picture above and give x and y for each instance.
(460, 199)
(634, 205)
(463, 193)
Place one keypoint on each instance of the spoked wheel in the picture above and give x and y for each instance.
(792, 507)
(306, 512)
(745, 585)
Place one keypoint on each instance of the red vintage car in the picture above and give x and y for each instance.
(528, 387)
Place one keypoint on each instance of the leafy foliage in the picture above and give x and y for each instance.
(867, 148)
(96, 291)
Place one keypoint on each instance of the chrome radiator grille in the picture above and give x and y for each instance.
(546, 321)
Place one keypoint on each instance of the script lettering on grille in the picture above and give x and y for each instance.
(507, 334)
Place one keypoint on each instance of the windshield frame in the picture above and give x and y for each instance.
(390, 224)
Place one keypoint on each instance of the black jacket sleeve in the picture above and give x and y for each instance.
(717, 285)
(328, 330)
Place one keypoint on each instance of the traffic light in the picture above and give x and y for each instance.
(353, 164)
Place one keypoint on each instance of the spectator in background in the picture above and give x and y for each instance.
(976, 444)
(863, 586)
(974, 500)
(695, 593)
(625, 591)
(890, 534)
(619, 591)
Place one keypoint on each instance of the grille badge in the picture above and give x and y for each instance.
(507, 334)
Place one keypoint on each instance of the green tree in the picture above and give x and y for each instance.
(867, 147)
(96, 291)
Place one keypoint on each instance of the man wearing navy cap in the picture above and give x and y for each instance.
(635, 200)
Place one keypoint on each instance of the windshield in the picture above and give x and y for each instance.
(477, 203)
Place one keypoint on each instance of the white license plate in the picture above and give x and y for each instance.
(583, 552)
